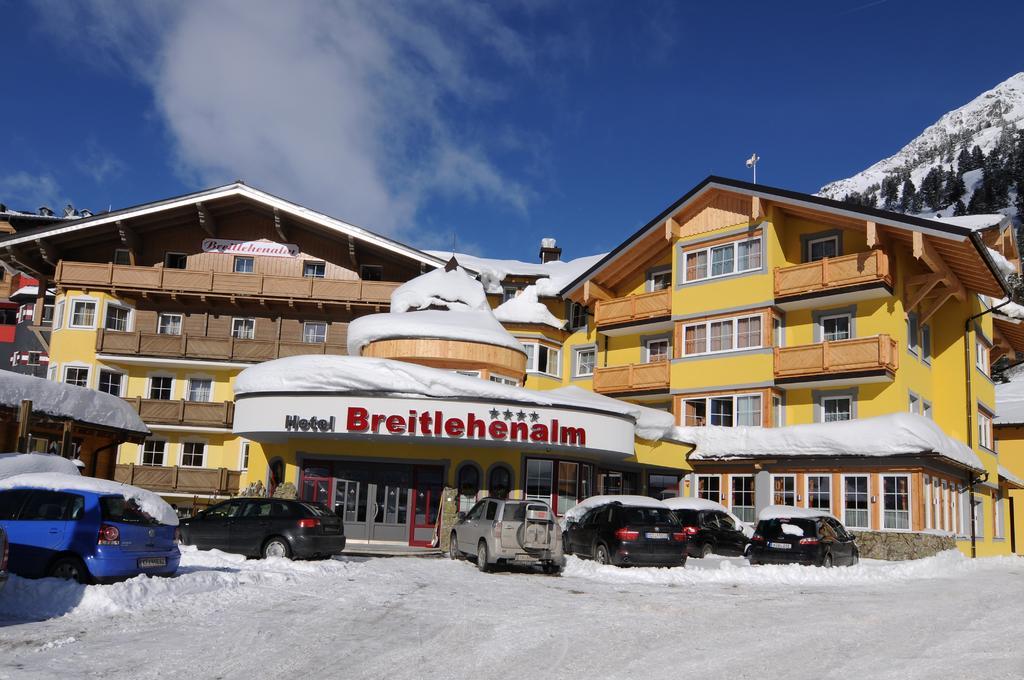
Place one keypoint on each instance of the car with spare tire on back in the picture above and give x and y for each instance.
(509, 532)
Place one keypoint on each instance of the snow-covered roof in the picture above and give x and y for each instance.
(12, 464)
(1009, 476)
(467, 325)
(1004, 266)
(580, 509)
(449, 289)
(60, 400)
(558, 273)
(894, 434)
(527, 308)
(1010, 398)
(975, 222)
(788, 511)
(148, 502)
(651, 424)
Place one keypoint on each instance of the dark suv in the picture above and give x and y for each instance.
(821, 541)
(625, 535)
(711, 531)
(267, 527)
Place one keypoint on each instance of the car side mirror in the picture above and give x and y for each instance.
(461, 516)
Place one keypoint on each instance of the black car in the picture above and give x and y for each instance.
(711, 531)
(626, 535)
(821, 541)
(267, 527)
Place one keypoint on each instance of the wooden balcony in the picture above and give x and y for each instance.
(854, 361)
(181, 412)
(180, 480)
(204, 347)
(847, 274)
(633, 309)
(652, 377)
(125, 278)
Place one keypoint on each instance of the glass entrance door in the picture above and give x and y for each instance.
(350, 504)
(390, 512)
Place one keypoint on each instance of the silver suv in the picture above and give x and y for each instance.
(509, 532)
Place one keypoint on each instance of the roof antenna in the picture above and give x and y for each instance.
(453, 243)
(752, 163)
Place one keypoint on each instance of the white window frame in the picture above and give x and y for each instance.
(243, 258)
(697, 491)
(503, 379)
(735, 407)
(149, 385)
(142, 451)
(244, 451)
(576, 309)
(577, 352)
(314, 263)
(842, 480)
(785, 475)
(99, 375)
(659, 271)
(778, 411)
(305, 332)
(130, 323)
(914, 403)
(181, 452)
(710, 260)
(467, 373)
(95, 313)
(981, 355)
(926, 409)
(533, 359)
(835, 397)
(248, 336)
(910, 500)
(732, 491)
(926, 488)
(651, 341)
(807, 489)
(53, 372)
(80, 366)
(58, 314)
(913, 334)
(188, 388)
(842, 315)
(984, 429)
(810, 243)
(735, 334)
(181, 323)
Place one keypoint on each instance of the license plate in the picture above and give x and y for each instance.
(780, 546)
(153, 562)
(656, 534)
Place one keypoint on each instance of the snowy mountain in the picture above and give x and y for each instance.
(989, 122)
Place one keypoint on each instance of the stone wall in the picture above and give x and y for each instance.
(449, 516)
(885, 545)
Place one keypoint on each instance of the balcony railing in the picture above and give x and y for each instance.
(204, 347)
(824, 359)
(633, 308)
(833, 273)
(181, 412)
(183, 480)
(163, 280)
(632, 378)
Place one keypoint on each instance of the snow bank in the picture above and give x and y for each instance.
(889, 435)
(453, 289)
(577, 511)
(552, 276)
(12, 464)
(454, 324)
(527, 308)
(149, 502)
(60, 400)
(788, 511)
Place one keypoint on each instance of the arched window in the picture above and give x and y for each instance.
(499, 482)
(469, 486)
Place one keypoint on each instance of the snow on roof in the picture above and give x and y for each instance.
(468, 325)
(788, 511)
(973, 222)
(1010, 398)
(492, 272)
(1010, 310)
(60, 400)
(578, 510)
(12, 464)
(454, 289)
(148, 502)
(1004, 266)
(527, 308)
(651, 424)
(889, 435)
(1007, 475)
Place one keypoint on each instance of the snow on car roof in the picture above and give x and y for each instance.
(577, 511)
(12, 464)
(690, 503)
(789, 512)
(148, 502)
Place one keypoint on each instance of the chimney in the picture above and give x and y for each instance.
(85, 212)
(549, 252)
(69, 211)
(45, 211)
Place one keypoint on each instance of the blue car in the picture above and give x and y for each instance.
(84, 535)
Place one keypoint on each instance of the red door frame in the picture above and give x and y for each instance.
(430, 502)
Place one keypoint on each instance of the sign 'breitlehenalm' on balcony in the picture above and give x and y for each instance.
(267, 417)
(264, 248)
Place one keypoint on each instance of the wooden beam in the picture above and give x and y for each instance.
(279, 225)
(944, 295)
(130, 240)
(206, 220)
(671, 229)
(924, 251)
(756, 208)
(27, 262)
(593, 291)
(49, 252)
(931, 280)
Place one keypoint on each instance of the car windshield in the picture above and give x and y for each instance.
(648, 516)
(689, 518)
(120, 509)
(787, 528)
(318, 510)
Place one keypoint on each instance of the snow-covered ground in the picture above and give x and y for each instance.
(227, 617)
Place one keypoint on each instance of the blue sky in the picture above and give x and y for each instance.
(502, 124)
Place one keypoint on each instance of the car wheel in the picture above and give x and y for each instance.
(826, 561)
(481, 557)
(705, 551)
(69, 569)
(552, 569)
(601, 555)
(856, 558)
(453, 548)
(277, 547)
(566, 549)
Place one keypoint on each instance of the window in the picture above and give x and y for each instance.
(819, 248)
(928, 515)
(468, 480)
(895, 502)
(314, 331)
(243, 328)
(584, 362)
(726, 259)
(915, 403)
(243, 462)
(662, 486)
(243, 264)
(997, 515)
(110, 382)
(709, 487)
(499, 482)
(47, 313)
(926, 410)
(819, 492)
(720, 334)
(657, 350)
(577, 316)
(503, 380)
(34, 357)
(748, 410)
(168, 324)
(778, 415)
(912, 333)
(985, 429)
(58, 317)
(543, 359)
(193, 454)
(539, 480)
(568, 483)
(51, 372)
(200, 389)
(161, 387)
(726, 411)
(695, 412)
(76, 375)
(784, 489)
(468, 374)
(83, 314)
(659, 280)
(835, 327)
(508, 292)
(743, 497)
(371, 272)
(122, 256)
(778, 332)
(748, 332)
(721, 411)
(723, 335)
(175, 260)
(855, 501)
(981, 356)
(118, 318)
(926, 343)
(835, 409)
(153, 451)
(314, 270)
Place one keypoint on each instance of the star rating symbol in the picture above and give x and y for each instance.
(521, 416)
(534, 417)
(508, 414)
(494, 413)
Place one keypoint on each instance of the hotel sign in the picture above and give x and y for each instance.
(264, 248)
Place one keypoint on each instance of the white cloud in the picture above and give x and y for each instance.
(25, 191)
(98, 163)
(347, 107)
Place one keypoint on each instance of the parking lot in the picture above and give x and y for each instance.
(227, 617)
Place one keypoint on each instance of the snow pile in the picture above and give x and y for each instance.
(527, 308)
(788, 512)
(1004, 266)
(454, 289)
(580, 509)
(148, 502)
(889, 435)
(692, 503)
(60, 400)
(552, 277)
(12, 464)
(455, 324)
